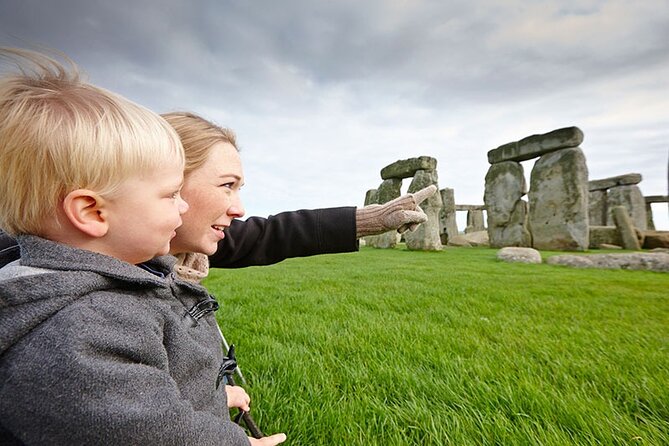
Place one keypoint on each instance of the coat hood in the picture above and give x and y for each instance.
(56, 275)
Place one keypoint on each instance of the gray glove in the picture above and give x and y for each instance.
(401, 214)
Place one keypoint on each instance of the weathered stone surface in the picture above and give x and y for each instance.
(537, 145)
(475, 222)
(507, 212)
(655, 261)
(650, 199)
(372, 197)
(478, 238)
(625, 228)
(459, 241)
(607, 246)
(470, 207)
(656, 198)
(597, 207)
(656, 239)
(620, 180)
(632, 199)
(558, 201)
(408, 167)
(650, 224)
(426, 236)
(604, 235)
(448, 226)
(388, 190)
(519, 255)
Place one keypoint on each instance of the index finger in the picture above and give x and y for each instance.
(424, 193)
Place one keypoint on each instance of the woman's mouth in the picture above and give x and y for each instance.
(219, 230)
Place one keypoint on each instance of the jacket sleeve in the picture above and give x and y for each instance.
(263, 241)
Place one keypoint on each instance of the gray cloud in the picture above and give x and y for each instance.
(330, 92)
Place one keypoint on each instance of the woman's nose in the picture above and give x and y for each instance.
(183, 206)
(237, 210)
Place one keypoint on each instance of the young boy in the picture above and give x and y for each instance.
(99, 343)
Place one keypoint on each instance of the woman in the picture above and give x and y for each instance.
(212, 179)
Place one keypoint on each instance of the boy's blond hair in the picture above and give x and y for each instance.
(59, 133)
(198, 136)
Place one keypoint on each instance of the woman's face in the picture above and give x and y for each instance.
(212, 194)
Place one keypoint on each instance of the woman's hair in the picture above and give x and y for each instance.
(198, 136)
(59, 133)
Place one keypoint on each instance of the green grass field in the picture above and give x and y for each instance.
(394, 347)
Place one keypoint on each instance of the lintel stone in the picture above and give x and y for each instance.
(407, 168)
(656, 198)
(536, 145)
(620, 180)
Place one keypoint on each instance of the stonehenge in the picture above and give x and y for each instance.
(560, 210)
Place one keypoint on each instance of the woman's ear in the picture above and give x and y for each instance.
(85, 211)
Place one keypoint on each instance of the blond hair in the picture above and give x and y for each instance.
(198, 136)
(59, 133)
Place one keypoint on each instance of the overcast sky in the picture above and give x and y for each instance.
(323, 94)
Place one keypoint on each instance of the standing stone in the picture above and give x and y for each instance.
(625, 228)
(448, 227)
(632, 199)
(475, 221)
(426, 236)
(507, 212)
(372, 197)
(597, 207)
(388, 190)
(558, 201)
(650, 224)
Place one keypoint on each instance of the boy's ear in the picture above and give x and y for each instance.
(85, 211)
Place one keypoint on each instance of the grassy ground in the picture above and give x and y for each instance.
(394, 347)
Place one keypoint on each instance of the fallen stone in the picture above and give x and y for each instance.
(459, 241)
(656, 239)
(519, 255)
(655, 261)
(407, 168)
(620, 180)
(625, 228)
(477, 238)
(632, 199)
(537, 145)
(607, 246)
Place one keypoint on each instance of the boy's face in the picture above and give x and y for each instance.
(145, 213)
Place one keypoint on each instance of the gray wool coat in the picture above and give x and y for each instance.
(96, 351)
